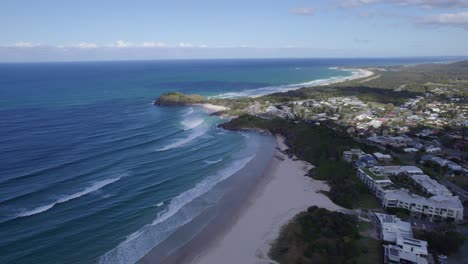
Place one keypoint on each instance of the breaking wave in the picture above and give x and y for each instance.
(141, 242)
(94, 187)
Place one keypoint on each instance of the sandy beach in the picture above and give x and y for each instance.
(282, 193)
(213, 108)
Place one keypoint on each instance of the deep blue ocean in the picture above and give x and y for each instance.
(91, 171)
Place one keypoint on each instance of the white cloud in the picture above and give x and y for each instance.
(356, 3)
(122, 44)
(86, 45)
(185, 45)
(449, 19)
(22, 44)
(149, 44)
(429, 4)
(304, 11)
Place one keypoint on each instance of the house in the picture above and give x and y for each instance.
(433, 150)
(410, 150)
(353, 154)
(382, 157)
(453, 166)
(369, 160)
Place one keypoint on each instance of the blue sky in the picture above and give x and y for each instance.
(49, 30)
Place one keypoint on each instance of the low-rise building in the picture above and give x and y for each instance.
(410, 150)
(435, 207)
(441, 205)
(406, 250)
(382, 157)
(430, 186)
(402, 247)
(353, 154)
(390, 227)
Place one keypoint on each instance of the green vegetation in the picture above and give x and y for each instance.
(364, 93)
(420, 78)
(400, 212)
(322, 147)
(320, 236)
(444, 240)
(371, 251)
(373, 175)
(402, 181)
(176, 98)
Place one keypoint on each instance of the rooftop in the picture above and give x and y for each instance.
(373, 175)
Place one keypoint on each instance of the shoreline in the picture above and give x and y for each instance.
(247, 234)
(356, 74)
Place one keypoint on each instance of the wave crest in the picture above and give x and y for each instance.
(94, 187)
(142, 241)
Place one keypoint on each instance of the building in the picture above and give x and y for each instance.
(382, 157)
(439, 204)
(369, 160)
(410, 150)
(401, 247)
(453, 166)
(373, 178)
(435, 208)
(396, 170)
(433, 150)
(430, 186)
(353, 154)
(390, 227)
(406, 250)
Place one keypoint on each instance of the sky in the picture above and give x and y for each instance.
(66, 30)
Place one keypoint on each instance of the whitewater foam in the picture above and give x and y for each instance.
(94, 187)
(355, 74)
(191, 123)
(141, 242)
(180, 142)
(188, 111)
(212, 161)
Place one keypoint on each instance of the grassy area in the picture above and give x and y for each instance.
(366, 200)
(373, 175)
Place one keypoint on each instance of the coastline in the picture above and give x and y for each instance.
(356, 74)
(281, 192)
(212, 108)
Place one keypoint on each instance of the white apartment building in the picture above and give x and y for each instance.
(436, 207)
(390, 227)
(441, 205)
(403, 248)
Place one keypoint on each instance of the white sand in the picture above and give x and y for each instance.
(284, 192)
(213, 108)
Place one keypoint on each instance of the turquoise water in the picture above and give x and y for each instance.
(92, 172)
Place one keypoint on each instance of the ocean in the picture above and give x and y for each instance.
(92, 172)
